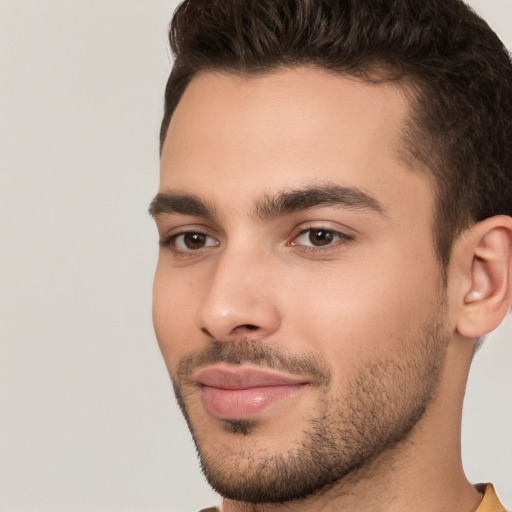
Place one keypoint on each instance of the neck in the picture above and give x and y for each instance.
(422, 473)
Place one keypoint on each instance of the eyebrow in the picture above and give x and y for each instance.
(175, 203)
(270, 207)
(303, 199)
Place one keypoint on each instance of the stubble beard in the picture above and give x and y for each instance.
(374, 413)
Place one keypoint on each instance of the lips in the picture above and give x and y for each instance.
(242, 393)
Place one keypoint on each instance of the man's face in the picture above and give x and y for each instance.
(297, 298)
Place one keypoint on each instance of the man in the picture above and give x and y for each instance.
(335, 227)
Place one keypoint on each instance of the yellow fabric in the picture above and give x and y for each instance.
(490, 502)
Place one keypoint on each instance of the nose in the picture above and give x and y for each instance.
(241, 301)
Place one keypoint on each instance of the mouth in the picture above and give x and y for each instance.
(244, 392)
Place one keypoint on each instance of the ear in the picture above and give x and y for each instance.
(484, 271)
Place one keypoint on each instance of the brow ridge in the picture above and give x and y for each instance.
(270, 207)
(179, 203)
(295, 200)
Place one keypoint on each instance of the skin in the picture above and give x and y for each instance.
(373, 297)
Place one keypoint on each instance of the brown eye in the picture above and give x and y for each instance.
(194, 241)
(191, 241)
(320, 237)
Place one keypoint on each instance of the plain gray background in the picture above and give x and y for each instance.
(87, 417)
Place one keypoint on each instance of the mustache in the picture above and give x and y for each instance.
(256, 353)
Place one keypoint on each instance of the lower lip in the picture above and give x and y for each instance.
(244, 403)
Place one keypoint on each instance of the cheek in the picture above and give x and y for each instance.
(367, 306)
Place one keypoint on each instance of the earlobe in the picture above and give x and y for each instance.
(487, 293)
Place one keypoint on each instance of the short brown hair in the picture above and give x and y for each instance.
(459, 71)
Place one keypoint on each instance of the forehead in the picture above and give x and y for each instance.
(233, 135)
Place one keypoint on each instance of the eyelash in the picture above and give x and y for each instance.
(343, 238)
(169, 242)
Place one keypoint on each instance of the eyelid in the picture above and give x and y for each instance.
(174, 230)
(166, 241)
(345, 236)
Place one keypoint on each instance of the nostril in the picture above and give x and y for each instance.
(207, 332)
(248, 327)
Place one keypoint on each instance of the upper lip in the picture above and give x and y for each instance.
(224, 377)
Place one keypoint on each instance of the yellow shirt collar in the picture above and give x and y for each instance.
(490, 502)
